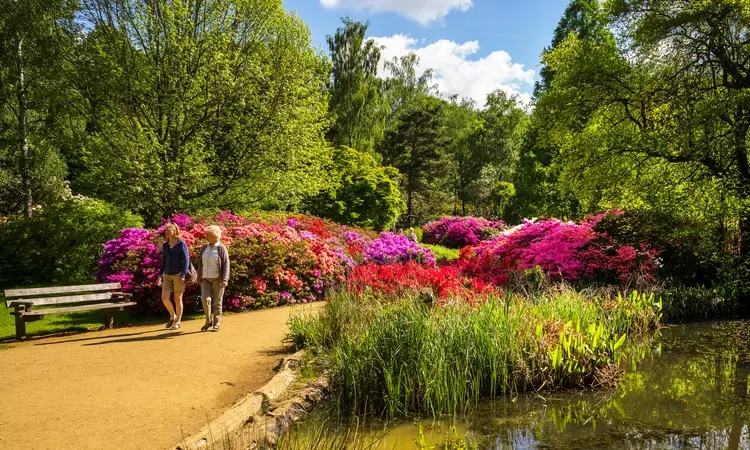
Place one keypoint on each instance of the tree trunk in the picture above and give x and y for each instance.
(24, 162)
(409, 198)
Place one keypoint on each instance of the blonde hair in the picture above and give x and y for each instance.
(214, 231)
(172, 229)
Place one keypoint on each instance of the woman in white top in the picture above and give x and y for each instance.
(213, 276)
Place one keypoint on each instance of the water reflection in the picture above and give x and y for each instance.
(688, 390)
(691, 393)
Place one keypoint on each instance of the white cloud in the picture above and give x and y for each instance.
(422, 11)
(455, 73)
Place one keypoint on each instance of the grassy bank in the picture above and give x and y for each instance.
(398, 356)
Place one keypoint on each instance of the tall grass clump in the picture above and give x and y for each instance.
(402, 356)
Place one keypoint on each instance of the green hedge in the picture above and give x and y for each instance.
(59, 244)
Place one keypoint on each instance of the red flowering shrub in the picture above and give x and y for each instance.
(458, 232)
(273, 262)
(563, 250)
(445, 281)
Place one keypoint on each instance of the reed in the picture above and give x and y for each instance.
(403, 356)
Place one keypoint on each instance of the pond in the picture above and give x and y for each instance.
(690, 390)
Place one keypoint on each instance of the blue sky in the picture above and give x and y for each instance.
(474, 46)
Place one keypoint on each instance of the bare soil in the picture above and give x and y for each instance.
(134, 388)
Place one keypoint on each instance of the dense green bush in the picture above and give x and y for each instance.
(362, 192)
(686, 256)
(60, 244)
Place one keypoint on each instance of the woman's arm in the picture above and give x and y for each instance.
(199, 265)
(185, 259)
(163, 266)
(224, 264)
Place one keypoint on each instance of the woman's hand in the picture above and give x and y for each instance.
(158, 281)
(223, 284)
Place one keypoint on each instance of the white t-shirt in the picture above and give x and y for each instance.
(211, 266)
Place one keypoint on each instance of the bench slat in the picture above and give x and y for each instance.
(44, 312)
(15, 293)
(67, 299)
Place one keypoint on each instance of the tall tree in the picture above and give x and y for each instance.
(356, 102)
(536, 177)
(674, 95)
(212, 103)
(463, 129)
(414, 148)
(583, 18)
(403, 87)
(33, 38)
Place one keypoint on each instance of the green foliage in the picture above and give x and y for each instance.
(443, 254)
(195, 104)
(356, 102)
(34, 120)
(629, 115)
(362, 192)
(60, 244)
(687, 258)
(413, 147)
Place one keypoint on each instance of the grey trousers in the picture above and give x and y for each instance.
(211, 288)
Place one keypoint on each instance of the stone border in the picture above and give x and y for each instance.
(265, 414)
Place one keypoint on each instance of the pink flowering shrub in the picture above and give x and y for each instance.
(563, 250)
(274, 261)
(458, 232)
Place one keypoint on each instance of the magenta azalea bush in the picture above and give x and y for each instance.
(563, 250)
(275, 260)
(392, 248)
(458, 232)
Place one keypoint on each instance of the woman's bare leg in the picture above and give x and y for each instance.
(168, 303)
(178, 304)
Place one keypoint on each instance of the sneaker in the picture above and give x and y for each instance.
(175, 326)
(215, 328)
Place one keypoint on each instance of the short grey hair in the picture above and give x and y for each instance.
(213, 230)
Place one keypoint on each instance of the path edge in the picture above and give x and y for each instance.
(265, 414)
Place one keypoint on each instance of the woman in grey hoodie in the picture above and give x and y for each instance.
(213, 276)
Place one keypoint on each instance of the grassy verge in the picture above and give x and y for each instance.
(400, 356)
(72, 322)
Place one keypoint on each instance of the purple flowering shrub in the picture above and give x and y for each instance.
(392, 248)
(458, 232)
(273, 261)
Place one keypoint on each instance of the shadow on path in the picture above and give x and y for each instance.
(159, 337)
(96, 338)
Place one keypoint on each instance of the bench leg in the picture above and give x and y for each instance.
(20, 328)
(109, 319)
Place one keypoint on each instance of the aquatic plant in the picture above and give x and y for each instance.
(405, 357)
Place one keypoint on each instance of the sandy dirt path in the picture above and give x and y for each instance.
(134, 388)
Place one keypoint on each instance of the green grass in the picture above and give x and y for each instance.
(400, 356)
(73, 322)
(443, 254)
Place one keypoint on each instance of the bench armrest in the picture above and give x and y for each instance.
(14, 303)
(121, 296)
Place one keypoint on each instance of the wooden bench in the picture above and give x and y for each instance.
(95, 296)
